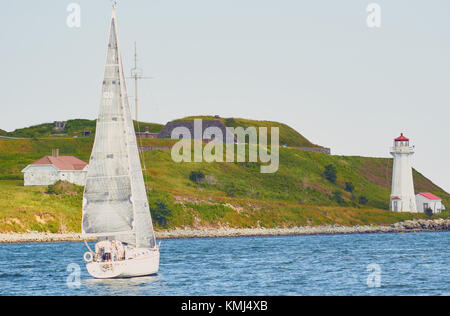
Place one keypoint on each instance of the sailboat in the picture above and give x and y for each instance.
(115, 204)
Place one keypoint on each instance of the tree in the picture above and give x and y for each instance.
(349, 187)
(330, 173)
(363, 200)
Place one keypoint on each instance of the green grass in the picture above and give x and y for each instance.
(299, 179)
(33, 209)
(230, 195)
(77, 126)
(30, 208)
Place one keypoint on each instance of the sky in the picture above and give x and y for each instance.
(314, 65)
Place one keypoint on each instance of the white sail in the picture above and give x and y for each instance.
(115, 200)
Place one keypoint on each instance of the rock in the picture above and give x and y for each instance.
(186, 232)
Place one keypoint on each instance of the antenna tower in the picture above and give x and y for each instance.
(136, 74)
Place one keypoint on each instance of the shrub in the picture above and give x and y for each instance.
(64, 187)
(11, 177)
(349, 187)
(429, 212)
(161, 214)
(230, 122)
(197, 176)
(363, 200)
(51, 189)
(330, 173)
(338, 196)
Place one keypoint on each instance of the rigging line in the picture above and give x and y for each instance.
(136, 76)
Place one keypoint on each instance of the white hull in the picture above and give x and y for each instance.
(144, 265)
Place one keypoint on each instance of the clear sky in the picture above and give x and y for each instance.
(314, 65)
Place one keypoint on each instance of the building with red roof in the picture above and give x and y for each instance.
(427, 200)
(50, 169)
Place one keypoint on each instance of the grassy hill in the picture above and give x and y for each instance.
(77, 126)
(212, 194)
(288, 135)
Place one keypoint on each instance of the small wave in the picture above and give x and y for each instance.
(10, 275)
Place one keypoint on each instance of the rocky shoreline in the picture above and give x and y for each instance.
(402, 227)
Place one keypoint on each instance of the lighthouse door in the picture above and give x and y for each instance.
(395, 206)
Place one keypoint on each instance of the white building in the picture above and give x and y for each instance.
(403, 198)
(50, 169)
(426, 200)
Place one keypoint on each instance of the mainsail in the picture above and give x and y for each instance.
(115, 200)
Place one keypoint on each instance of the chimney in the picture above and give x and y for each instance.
(55, 153)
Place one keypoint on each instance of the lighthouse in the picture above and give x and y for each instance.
(402, 195)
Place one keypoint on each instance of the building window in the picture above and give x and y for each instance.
(425, 206)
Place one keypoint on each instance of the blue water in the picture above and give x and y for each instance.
(409, 264)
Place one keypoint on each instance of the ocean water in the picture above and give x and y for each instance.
(376, 264)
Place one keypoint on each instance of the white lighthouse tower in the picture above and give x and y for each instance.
(402, 195)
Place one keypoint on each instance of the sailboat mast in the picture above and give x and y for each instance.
(135, 82)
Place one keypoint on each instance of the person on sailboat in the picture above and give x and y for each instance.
(107, 250)
(99, 252)
(119, 251)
